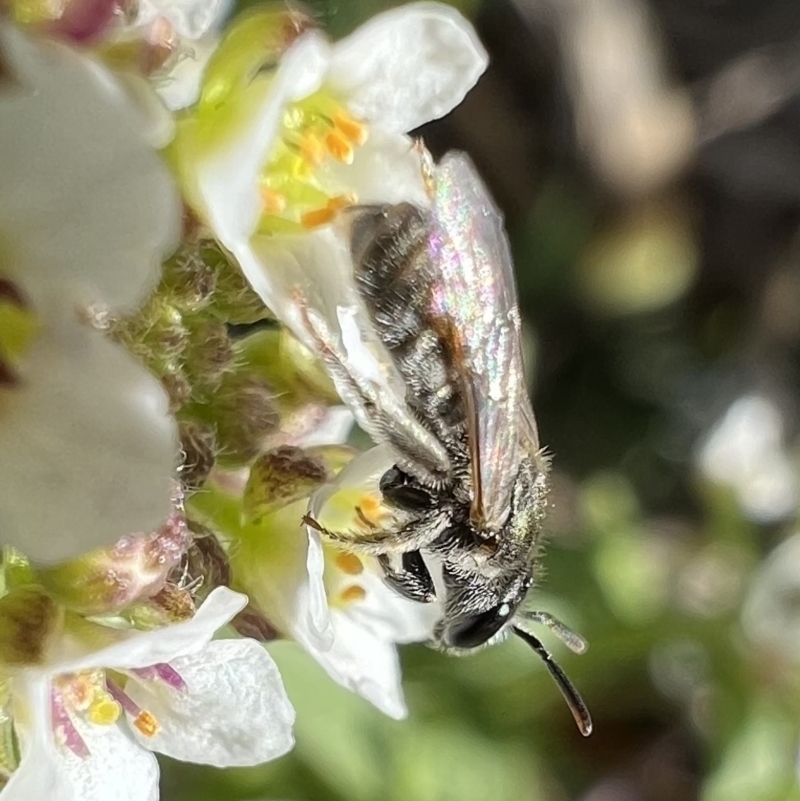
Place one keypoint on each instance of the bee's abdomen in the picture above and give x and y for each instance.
(392, 269)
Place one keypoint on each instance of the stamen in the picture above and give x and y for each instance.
(162, 672)
(103, 711)
(349, 563)
(64, 729)
(317, 217)
(339, 147)
(311, 149)
(352, 130)
(142, 719)
(272, 201)
(351, 593)
(146, 724)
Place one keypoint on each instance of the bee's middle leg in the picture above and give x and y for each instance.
(412, 580)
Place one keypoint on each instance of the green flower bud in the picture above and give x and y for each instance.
(208, 356)
(235, 301)
(243, 412)
(109, 579)
(29, 619)
(156, 334)
(280, 477)
(198, 447)
(190, 278)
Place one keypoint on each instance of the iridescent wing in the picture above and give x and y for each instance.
(475, 296)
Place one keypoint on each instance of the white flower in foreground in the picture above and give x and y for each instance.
(269, 167)
(331, 602)
(87, 212)
(745, 451)
(87, 723)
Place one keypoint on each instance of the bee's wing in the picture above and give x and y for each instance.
(322, 307)
(475, 296)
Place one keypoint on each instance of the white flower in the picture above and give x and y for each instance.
(86, 734)
(276, 163)
(745, 451)
(87, 212)
(368, 618)
(333, 603)
(189, 19)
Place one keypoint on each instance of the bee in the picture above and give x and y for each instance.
(422, 340)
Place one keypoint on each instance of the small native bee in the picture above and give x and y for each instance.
(423, 343)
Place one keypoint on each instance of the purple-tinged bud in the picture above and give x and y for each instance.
(108, 580)
(172, 604)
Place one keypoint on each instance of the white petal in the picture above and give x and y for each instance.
(282, 573)
(88, 446)
(139, 649)
(385, 169)
(389, 616)
(180, 87)
(117, 769)
(408, 66)
(86, 202)
(234, 711)
(190, 18)
(332, 429)
(227, 178)
(365, 664)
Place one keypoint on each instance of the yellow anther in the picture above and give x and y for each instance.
(104, 711)
(273, 202)
(339, 147)
(339, 202)
(352, 130)
(311, 149)
(349, 563)
(317, 217)
(351, 593)
(146, 724)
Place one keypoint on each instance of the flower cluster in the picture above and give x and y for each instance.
(170, 174)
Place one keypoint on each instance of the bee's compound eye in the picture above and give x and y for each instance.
(470, 632)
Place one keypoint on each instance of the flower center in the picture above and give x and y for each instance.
(99, 699)
(315, 133)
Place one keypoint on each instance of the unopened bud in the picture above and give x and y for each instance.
(172, 605)
(29, 620)
(252, 624)
(177, 387)
(235, 301)
(244, 413)
(109, 579)
(188, 278)
(280, 477)
(156, 334)
(206, 565)
(198, 446)
(209, 355)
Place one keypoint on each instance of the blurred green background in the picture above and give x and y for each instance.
(647, 156)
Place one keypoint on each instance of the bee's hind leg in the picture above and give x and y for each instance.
(412, 580)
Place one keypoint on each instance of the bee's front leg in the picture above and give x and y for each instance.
(412, 580)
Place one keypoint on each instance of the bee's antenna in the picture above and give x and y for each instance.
(571, 639)
(574, 701)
